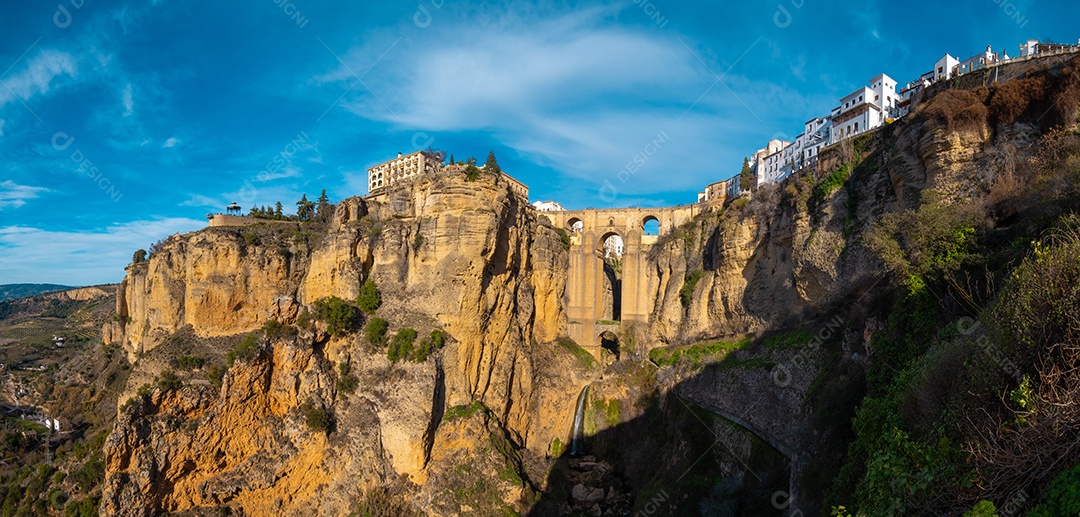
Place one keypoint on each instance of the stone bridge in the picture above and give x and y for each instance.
(585, 304)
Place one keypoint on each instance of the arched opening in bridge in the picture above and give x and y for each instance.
(575, 225)
(610, 341)
(650, 225)
(611, 252)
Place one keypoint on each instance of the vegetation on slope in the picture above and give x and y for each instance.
(971, 393)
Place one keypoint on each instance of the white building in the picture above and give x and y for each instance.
(977, 62)
(815, 136)
(767, 163)
(548, 206)
(865, 109)
(613, 247)
(1029, 48)
(402, 168)
(945, 68)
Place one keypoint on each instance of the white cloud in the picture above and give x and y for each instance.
(201, 201)
(574, 93)
(128, 100)
(37, 77)
(81, 257)
(14, 195)
(170, 143)
(287, 171)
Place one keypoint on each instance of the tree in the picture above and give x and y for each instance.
(277, 211)
(140, 256)
(437, 155)
(491, 165)
(304, 208)
(369, 299)
(375, 332)
(452, 159)
(322, 209)
(746, 176)
(340, 316)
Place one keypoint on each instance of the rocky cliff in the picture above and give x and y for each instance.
(481, 426)
(464, 257)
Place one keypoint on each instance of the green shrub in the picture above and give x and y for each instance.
(188, 362)
(982, 509)
(375, 332)
(1061, 496)
(435, 341)
(169, 381)
(215, 374)
(472, 172)
(401, 347)
(277, 330)
(369, 299)
(251, 239)
(91, 473)
(340, 316)
(57, 498)
(317, 418)
(85, 507)
(690, 281)
(247, 350)
(926, 244)
(303, 320)
(564, 237)
(347, 382)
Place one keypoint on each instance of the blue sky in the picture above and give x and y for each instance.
(124, 122)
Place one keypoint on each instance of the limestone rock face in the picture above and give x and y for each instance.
(469, 258)
(773, 259)
(248, 445)
(212, 280)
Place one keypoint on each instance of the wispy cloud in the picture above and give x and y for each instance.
(13, 195)
(37, 255)
(201, 201)
(37, 77)
(585, 116)
(170, 143)
(128, 100)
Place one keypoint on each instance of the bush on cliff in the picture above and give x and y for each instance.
(246, 350)
(317, 418)
(347, 382)
(369, 299)
(435, 341)
(375, 332)
(341, 317)
(401, 347)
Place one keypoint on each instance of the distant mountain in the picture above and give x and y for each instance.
(13, 291)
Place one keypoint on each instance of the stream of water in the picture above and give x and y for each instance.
(577, 438)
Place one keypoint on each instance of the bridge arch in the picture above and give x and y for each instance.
(575, 225)
(588, 302)
(650, 225)
(608, 340)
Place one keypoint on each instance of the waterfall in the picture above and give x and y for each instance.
(577, 446)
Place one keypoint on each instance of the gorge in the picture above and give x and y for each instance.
(796, 350)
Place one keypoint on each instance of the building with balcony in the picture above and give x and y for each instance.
(402, 168)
